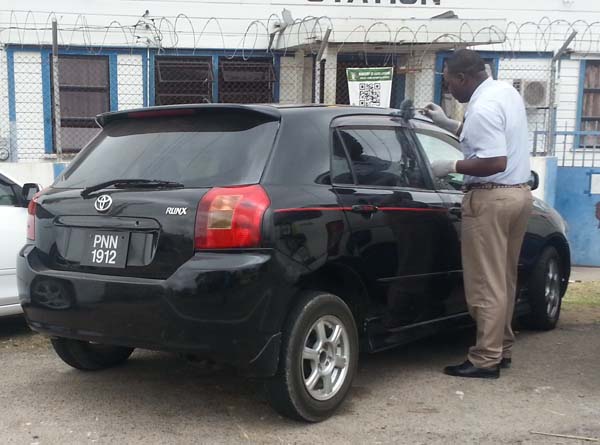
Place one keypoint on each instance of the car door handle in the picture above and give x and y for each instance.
(365, 209)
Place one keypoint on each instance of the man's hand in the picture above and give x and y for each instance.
(443, 168)
(437, 115)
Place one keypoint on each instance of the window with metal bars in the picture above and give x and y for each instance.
(84, 90)
(183, 80)
(590, 116)
(246, 81)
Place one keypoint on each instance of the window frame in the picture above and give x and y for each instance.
(233, 65)
(579, 138)
(189, 60)
(438, 135)
(422, 163)
(77, 122)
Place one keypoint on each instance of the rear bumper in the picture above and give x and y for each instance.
(10, 309)
(217, 305)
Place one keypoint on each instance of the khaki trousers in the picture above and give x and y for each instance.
(494, 222)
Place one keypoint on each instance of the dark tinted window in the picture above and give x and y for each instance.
(7, 195)
(340, 169)
(217, 147)
(382, 156)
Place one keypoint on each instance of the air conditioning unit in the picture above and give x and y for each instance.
(535, 92)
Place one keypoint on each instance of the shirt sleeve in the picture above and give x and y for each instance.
(485, 132)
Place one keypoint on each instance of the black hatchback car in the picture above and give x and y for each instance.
(279, 240)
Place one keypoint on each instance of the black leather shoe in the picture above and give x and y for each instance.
(467, 369)
(505, 363)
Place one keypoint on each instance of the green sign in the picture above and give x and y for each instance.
(369, 74)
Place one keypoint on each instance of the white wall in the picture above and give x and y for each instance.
(38, 172)
(130, 81)
(29, 107)
(290, 78)
(4, 122)
(420, 84)
(247, 24)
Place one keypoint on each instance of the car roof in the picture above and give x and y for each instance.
(274, 111)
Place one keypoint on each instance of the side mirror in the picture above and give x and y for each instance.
(534, 180)
(28, 191)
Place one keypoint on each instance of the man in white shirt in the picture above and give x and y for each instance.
(495, 208)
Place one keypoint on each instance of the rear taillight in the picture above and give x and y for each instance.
(230, 217)
(31, 209)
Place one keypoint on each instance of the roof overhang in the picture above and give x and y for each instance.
(401, 36)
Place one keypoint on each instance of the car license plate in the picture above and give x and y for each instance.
(105, 249)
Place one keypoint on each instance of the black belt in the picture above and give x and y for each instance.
(492, 185)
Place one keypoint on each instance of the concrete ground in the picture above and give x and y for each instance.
(399, 396)
(585, 274)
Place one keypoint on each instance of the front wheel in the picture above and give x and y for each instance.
(318, 361)
(545, 291)
(88, 356)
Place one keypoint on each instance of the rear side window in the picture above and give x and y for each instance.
(7, 194)
(380, 156)
(213, 148)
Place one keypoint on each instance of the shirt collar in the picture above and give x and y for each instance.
(482, 86)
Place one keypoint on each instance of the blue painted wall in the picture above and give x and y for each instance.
(575, 203)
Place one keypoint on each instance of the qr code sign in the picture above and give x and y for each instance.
(370, 94)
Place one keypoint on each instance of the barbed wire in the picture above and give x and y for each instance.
(164, 33)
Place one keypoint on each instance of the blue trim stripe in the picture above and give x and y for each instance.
(439, 66)
(58, 168)
(582, 68)
(113, 81)
(277, 84)
(151, 80)
(10, 62)
(145, 78)
(215, 82)
(47, 100)
(12, 107)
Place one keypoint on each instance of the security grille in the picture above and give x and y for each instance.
(183, 80)
(84, 93)
(246, 81)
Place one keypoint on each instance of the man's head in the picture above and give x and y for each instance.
(464, 72)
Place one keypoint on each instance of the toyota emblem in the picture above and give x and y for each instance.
(103, 203)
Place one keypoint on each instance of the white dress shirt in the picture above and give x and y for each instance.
(496, 125)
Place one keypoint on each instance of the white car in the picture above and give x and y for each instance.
(13, 228)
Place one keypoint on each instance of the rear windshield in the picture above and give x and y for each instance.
(214, 148)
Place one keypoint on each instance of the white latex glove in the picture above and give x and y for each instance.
(443, 168)
(437, 115)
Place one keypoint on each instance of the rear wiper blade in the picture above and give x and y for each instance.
(130, 183)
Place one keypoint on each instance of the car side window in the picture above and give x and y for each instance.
(438, 146)
(340, 168)
(7, 195)
(382, 156)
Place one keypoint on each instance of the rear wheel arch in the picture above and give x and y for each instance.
(345, 282)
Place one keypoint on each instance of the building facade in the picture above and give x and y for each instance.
(115, 55)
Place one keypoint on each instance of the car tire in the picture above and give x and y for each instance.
(89, 356)
(545, 296)
(319, 356)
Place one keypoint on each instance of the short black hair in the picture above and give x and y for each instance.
(465, 61)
